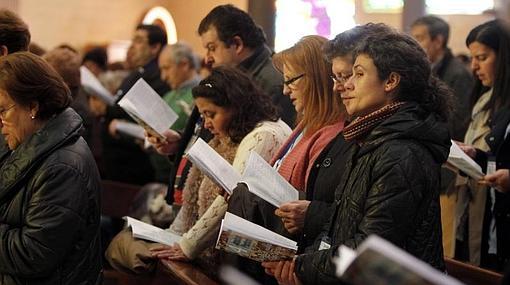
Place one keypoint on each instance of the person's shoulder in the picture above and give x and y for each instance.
(456, 68)
(269, 128)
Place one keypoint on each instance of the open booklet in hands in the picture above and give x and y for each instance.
(149, 232)
(265, 182)
(252, 241)
(213, 165)
(92, 85)
(460, 160)
(147, 108)
(377, 261)
(261, 179)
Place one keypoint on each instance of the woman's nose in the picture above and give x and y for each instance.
(338, 87)
(474, 65)
(286, 90)
(348, 85)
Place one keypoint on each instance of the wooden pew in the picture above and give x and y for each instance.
(117, 198)
(184, 273)
(167, 272)
(471, 275)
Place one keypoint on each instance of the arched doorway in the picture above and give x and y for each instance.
(161, 17)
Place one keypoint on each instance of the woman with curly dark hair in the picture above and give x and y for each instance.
(242, 119)
(390, 186)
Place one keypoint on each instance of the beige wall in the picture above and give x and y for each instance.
(460, 25)
(98, 21)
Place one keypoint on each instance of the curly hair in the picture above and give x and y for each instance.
(345, 43)
(401, 54)
(230, 88)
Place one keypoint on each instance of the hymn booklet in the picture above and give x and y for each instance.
(252, 241)
(148, 109)
(149, 232)
(377, 261)
(92, 85)
(265, 182)
(460, 160)
(261, 179)
(213, 165)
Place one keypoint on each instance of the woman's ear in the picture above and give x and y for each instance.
(392, 82)
(3, 50)
(34, 110)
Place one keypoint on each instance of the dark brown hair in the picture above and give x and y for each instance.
(230, 21)
(28, 78)
(14, 33)
(67, 63)
(399, 53)
(232, 89)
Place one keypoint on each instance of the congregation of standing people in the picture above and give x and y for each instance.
(360, 125)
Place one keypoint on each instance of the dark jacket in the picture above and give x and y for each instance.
(455, 74)
(123, 158)
(390, 188)
(320, 190)
(50, 208)
(500, 149)
(260, 66)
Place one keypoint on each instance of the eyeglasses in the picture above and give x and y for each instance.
(292, 80)
(340, 79)
(4, 111)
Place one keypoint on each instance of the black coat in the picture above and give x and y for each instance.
(390, 188)
(50, 208)
(270, 80)
(500, 148)
(324, 177)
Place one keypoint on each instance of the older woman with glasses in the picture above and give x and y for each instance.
(49, 183)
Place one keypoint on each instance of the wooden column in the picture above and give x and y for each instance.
(263, 13)
(412, 11)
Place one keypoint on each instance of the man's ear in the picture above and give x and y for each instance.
(392, 82)
(3, 50)
(238, 44)
(155, 48)
(439, 41)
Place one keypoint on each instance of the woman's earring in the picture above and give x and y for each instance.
(32, 117)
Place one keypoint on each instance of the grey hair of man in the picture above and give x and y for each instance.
(436, 26)
(181, 51)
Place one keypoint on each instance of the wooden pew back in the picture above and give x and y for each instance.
(471, 275)
(117, 198)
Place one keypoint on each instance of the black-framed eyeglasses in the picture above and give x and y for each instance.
(340, 79)
(288, 82)
(4, 111)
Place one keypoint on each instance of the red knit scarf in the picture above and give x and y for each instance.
(362, 125)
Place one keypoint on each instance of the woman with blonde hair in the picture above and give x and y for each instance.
(321, 118)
